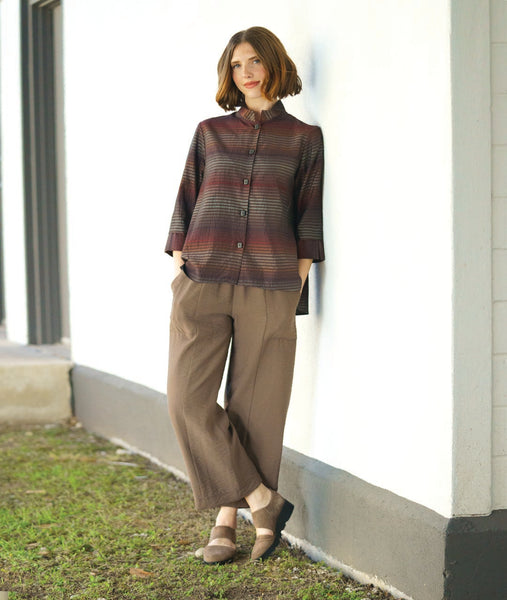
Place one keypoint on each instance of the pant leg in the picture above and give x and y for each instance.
(220, 470)
(260, 374)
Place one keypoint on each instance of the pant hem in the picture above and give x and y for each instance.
(205, 503)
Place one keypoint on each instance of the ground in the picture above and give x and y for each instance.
(81, 518)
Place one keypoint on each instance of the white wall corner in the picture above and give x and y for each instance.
(472, 236)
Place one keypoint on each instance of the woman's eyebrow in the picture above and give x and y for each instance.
(234, 62)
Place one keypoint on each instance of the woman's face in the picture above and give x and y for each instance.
(247, 71)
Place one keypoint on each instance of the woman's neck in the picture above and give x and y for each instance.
(260, 104)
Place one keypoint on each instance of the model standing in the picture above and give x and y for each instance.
(246, 227)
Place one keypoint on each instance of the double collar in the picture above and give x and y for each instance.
(250, 117)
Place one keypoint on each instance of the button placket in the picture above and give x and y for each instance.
(247, 182)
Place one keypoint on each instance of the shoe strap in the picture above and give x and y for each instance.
(265, 518)
(264, 537)
(222, 531)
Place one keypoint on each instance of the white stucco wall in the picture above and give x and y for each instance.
(373, 384)
(382, 371)
(12, 172)
(390, 384)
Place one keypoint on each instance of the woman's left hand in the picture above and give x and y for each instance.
(304, 265)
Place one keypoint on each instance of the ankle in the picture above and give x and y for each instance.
(227, 516)
(259, 498)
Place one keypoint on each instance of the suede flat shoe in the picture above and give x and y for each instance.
(274, 516)
(215, 554)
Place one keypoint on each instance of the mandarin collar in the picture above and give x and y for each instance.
(250, 117)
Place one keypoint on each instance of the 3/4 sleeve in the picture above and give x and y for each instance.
(308, 198)
(188, 192)
(308, 206)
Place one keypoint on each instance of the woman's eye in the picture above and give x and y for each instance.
(235, 66)
(257, 61)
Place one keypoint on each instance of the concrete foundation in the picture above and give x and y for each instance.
(34, 384)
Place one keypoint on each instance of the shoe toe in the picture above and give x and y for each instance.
(216, 554)
(263, 547)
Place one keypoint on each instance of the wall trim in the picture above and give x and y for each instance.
(472, 242)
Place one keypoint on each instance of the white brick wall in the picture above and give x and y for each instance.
(499, 189)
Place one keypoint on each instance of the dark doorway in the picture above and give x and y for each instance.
(46, 252)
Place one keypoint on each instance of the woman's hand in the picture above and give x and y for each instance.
(304, 265)
(178, 261)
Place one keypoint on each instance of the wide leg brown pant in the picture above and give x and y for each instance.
(228, 453)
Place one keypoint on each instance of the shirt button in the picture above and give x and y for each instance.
(256, 126)
(242, 213)
(240, 244)
(251, 152)
(245, 181)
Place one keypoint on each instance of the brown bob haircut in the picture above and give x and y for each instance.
(282, 79)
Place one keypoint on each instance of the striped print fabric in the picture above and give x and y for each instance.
(250, 201)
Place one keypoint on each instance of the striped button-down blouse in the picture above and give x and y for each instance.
(250, 201)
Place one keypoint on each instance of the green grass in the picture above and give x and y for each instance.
(75, 523)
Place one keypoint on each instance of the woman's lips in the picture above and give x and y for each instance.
(251, 84)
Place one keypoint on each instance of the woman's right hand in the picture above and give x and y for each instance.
(178, 261)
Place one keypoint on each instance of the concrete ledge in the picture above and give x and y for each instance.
(34, 384)
(368, 532)
(116, 408)
(392, 542)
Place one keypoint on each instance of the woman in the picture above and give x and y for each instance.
(246, 227)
